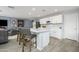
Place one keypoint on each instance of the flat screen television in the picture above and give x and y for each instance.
(3, 22)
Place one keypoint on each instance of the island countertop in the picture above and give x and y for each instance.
(39, 30)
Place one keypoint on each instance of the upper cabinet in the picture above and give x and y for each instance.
(44, 20)
(56, 19)
(53, 20)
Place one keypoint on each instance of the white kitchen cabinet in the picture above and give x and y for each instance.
(54, 26)
(55, 30)
(56, 19)
(52, 20)
(44, 20)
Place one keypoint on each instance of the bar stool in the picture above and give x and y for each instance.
(27, 41)
(25, 38)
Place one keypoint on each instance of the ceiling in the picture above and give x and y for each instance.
(32, 11)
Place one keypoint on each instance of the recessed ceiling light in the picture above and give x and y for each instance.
(33, 9)
(0, 10)
(38, 15)
(44, 10)
(29, 13)
(56, 10)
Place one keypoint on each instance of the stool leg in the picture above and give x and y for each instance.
(17, 38)
(23, 47)
(19, 41)
(30, 46)
(30, 49)
(36, 42)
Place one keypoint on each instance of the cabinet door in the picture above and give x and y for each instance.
(56, 19)
(44, 20)
(58, 33)
(55, 30)
(49, 27)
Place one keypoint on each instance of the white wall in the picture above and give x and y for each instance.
(70, 25)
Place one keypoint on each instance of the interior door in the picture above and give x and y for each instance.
(70, 26)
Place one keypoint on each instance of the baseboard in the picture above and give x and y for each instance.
(71, 39)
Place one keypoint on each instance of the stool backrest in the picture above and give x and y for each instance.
(25, 31)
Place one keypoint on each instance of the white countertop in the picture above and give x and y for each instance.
(39, 30)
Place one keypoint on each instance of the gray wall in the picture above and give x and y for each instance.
(27, 23)
(12, 22)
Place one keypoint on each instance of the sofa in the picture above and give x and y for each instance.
(3, 36)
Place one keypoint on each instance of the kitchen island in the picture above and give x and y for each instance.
(42, 37)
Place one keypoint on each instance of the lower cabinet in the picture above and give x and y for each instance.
(55, 31)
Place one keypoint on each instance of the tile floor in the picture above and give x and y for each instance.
(55, 45)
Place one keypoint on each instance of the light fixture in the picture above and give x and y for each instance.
(56, 10)
(38, 16)
(29, 13)
(0, 10)
(44, 10)
(33, 9)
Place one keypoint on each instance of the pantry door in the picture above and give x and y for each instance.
(70, 26)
